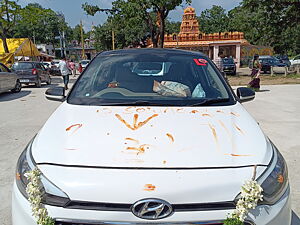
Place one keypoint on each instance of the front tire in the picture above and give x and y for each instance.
(17, 88)
(48, 82)
(38, 84)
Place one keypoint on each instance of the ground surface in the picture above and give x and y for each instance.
(243, 78)
(276, 108)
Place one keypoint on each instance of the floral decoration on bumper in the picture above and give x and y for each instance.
(34, 193)
(251, 194)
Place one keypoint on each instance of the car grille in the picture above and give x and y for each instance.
(98, 206)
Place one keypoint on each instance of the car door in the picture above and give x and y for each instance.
(5, 79)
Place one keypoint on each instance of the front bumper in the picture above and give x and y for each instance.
(277, 214)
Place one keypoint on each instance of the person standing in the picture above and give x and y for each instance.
(65, 71)
(255, 73)
(219, 63)
(72, 67)
(80, 68)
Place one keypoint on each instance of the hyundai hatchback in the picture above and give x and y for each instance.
(151, 136)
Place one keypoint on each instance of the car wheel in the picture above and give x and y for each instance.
(234, 73)
(49, 81)
(38, 83)
(18, 87)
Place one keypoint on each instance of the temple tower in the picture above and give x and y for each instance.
(189, 23)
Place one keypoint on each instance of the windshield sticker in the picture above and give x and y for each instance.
(201, 62)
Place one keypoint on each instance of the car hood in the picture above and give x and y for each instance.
(151, 137)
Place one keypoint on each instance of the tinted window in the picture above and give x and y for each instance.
(228, 61)
(160, 78)
(22, 66)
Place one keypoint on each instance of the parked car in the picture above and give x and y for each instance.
(229, 66)
(267, 62)
(54, 70)
(84, 63)
(135, 144)
(284, 59)
(31, 73)
(295, 61)
(9, 81)
(47, 65)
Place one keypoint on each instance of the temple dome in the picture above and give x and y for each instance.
(189, 10)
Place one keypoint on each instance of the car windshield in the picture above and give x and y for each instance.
(228, 61)
(150, 79)
(22, 66)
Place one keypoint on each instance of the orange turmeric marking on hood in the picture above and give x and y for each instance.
(140, 110)
(131, 139)
(164, 162)
(149, 187)
(75, 125)
(194, 111)
(170, 136)
(235, 114)
(219, 111)
(206, 114)
(214, 132)
(135, 125)
(140, 149)
(239, 129)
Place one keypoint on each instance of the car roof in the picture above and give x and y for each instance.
(141, 51)
(27, 62)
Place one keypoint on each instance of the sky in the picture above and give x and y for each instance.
(74, 13)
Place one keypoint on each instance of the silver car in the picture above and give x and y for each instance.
(8, 81)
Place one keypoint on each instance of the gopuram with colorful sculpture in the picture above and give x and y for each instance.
(232, 44)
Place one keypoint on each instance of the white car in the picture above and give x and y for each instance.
(168, 145)
(295, 61)
(84, 63)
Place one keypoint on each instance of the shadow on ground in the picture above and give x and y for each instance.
(9, 96)
(295, 219)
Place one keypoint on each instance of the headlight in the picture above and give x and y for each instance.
(275, 180)
(52, 195)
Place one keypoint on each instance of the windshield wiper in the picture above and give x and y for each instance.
(135, 103)
(210, 101)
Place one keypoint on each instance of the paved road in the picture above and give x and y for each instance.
(276, 108)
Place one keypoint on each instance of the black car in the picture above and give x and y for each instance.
(284, 59)
(267, 62)
(229, 66)
(32, 73)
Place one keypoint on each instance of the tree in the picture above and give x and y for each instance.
(172, 27)
(213, 20)
(152, 12)
(9, 11)
(274, 23)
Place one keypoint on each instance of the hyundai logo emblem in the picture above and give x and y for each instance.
(152, 209)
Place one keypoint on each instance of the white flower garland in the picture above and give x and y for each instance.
(34, 193)
(251, 193)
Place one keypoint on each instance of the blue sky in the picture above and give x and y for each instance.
(74, 13)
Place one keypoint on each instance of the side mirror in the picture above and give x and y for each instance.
(55, 94)
(245, 94)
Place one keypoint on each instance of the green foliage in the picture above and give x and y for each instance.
(214, 20)
(42, 25)
(149, 14)
(274, 23)
(9, 12)
(232, 221)
(172, 27)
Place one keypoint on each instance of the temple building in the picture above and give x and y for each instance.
(232, 44)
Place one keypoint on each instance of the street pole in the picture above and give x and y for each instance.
(61, 46)
(82, 41)
(113, 40)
